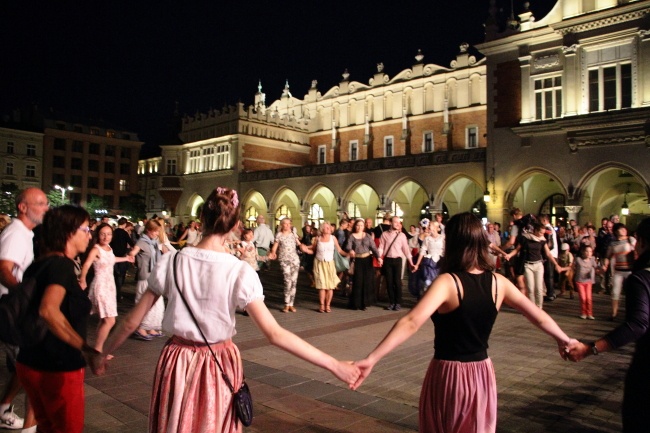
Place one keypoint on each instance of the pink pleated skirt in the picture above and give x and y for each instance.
(459, 397)
(189, 394)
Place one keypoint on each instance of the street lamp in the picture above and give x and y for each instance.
(63, 190)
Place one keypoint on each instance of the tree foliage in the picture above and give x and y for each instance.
(8, 198)
(134, 207)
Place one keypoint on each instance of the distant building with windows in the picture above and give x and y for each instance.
(92, 160)
(409, 144)
(568, 108)
(21, 153)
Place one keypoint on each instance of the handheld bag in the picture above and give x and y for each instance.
(242, 400)
(20, 323)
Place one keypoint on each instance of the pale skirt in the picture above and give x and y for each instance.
(189, 394)
(459, 397)
(325, 275)
(152, 321)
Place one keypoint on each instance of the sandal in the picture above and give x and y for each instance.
(327, 309)
(285, 309)
(142, 337)
(292, 309)
(321, 309)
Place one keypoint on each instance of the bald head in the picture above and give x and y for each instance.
(31, 205)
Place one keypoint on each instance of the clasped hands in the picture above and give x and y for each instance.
(573, 350)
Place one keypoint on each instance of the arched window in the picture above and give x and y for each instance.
(554, 208)
(315, 217)
(282, 212)
(353, 210)
(396, 210)
(250, 218)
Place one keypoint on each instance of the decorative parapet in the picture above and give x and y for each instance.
(409, 161)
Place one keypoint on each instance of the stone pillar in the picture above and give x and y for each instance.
(573, 212)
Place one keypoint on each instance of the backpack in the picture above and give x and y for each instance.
(20, 323)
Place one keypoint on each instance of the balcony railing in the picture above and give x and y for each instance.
(419, 160)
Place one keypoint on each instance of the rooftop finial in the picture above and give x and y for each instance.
(419, 56)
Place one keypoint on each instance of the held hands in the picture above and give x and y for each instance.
(365, 367)
(346, 371)
(578, 351)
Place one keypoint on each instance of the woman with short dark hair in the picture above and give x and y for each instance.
(52, 370)
(459, 393)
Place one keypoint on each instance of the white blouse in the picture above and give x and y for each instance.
(325, 250)
(214, 284)
(433, 248)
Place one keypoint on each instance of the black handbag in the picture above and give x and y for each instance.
(242, 400)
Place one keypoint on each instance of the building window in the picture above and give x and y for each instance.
(10, 147)
(396, 209)
(222, 157)
(281, 213)
(388, 146)
(548, 98)
(427, 142)
(75, 164)
(354, 150)
(171, 166)
(208, 159)
(124, 185)
(250, 219)
(109, 167)
(195, 160)
(94, 131)
(315, 216)
(31, 150)
(610, 87)
(58, 161)
(9, 168)
(30, 170)
(125, 153)
(58, 179)
(77, 146)
(93, 165)
(109, 150)
(109, 184)
(93, 182)
(59, 144)
(93, 148)
(77, 128)
(353, 210)
(124, 168)
(471, 137)
(76, 180)
(322, 154)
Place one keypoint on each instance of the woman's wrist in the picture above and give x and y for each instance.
(85, 348)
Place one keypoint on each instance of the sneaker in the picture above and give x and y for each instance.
(9, 420)
(397, 307)
(583, 316)
(390, 307)
(591, 318)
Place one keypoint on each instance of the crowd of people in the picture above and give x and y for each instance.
(460, 271)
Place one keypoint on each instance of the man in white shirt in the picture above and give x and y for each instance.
(16, 254)
(262, 238)
(549, 271)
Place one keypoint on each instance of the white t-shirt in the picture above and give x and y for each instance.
(214, 285)
(16, 246)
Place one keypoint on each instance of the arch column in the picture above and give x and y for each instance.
(573, 211)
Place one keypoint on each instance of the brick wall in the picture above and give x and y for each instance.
(268, 158)
(507, 97)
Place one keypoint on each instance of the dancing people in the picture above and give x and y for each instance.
(459, 393)
(189, 391)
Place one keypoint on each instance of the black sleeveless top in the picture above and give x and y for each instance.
(462, 334)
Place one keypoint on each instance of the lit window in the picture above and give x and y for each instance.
(610, 87)
(316, 216)
(322, 154)
(124, 185)
(171, 166)
(548, 98)
(354, 150)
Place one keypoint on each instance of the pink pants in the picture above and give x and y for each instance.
(584, 289)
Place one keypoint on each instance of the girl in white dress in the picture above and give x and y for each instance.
(102, 287)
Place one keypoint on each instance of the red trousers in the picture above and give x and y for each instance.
(57, 398)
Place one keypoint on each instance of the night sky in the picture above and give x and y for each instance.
(129, 62)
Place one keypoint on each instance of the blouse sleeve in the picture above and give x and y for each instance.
(159, 276)
(249, 286)
(370, 242)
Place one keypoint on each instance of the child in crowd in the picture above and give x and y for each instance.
(565, 279)
(248, 251)
(585, 276)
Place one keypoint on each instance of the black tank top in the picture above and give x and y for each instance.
(462, 334)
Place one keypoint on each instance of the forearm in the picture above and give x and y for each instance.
(60, 327)
(7, 279)
(130, 323)
(401, 331)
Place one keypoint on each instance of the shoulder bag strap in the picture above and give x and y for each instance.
(390, 246)
(223, 374)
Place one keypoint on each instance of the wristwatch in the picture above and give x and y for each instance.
(594, 349)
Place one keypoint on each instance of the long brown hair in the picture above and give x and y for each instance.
(466, 245)
(220, 212)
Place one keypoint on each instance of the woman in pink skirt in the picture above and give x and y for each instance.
(189, 393)
(459, 393)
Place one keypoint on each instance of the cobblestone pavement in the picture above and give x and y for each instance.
(538, 391)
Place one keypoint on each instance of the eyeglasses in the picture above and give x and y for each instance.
(85, 229)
